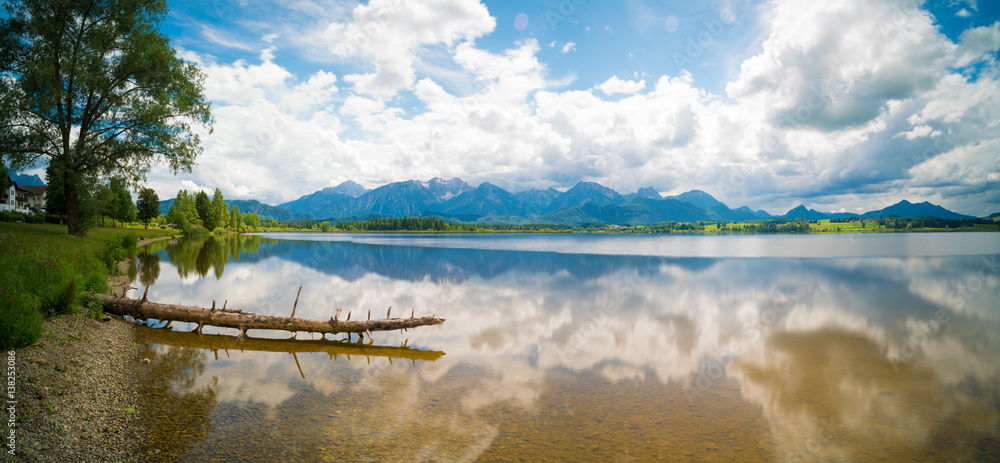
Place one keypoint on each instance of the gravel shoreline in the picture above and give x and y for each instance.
(77, 395)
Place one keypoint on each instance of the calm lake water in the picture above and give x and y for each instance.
(583, 348)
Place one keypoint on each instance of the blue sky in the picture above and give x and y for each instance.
(852, 105)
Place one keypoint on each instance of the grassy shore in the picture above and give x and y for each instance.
(44, 271)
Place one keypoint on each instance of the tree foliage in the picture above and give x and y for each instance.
(201, 204)
(149, 206)
(120, 207)
(235, 218)
(182, 211)
(252, 220)
(218, 212)
(55, 194)
(97, 90)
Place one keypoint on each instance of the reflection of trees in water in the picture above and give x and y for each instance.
(352, 261)
(148, 267)
(199, 255)
(176, 412)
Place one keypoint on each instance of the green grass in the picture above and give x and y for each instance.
(44, 271)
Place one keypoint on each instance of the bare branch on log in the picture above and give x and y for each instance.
(296, 302)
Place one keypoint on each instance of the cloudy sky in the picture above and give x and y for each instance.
(851, 104)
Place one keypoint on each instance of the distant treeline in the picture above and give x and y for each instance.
(410, 224)
(903, 223)
(404, 224)
(433, 224)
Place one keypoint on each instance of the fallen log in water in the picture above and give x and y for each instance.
(142, 309)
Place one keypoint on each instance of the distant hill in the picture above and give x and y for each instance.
(639, 211)
(349, 188)
(759, 214)
(486, 200)
(26, 180)
(647, 192)
(698, 198)
(328, 202)
(266, 211)
(395, 199)
(802, 212)
(907, 209)
(722, 213)
(583, 193)
(536, 196)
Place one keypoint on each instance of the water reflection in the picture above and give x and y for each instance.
(176, 403)
(603, 357)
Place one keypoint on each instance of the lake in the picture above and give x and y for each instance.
(612, 348)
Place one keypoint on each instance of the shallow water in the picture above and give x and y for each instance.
(585, 348)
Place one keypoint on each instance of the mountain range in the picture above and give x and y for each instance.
(585, 202)
(25, 179)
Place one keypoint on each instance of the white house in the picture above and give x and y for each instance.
(22, 199)
(36, 197)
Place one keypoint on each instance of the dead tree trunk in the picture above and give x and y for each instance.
(142, 309)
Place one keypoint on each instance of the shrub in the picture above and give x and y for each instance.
(129, 242)
(11, 217)
(116, 248)
(95, 282)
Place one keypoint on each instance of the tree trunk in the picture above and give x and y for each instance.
(142, 309)
(71, 190)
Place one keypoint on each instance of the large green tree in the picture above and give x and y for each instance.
(182, 211)
(218, 212)
(121, 207)
(149, 206)
(235, 218)
(94, 87)
(252, 220)
(201, 204)
(97, 200)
